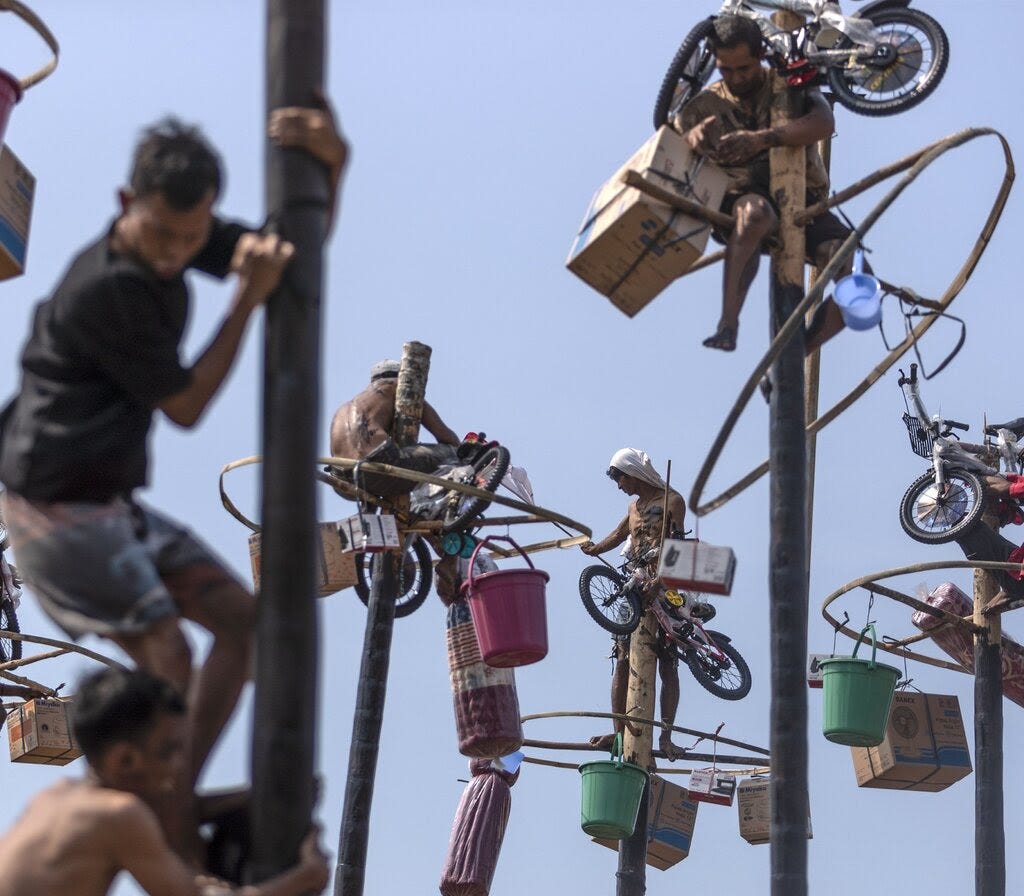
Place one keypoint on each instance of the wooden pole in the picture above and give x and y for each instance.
(373, 672)
(989, 833)
(788, 495)
(297, 198)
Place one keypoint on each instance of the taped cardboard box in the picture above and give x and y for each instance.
(754, 808)
(17, 190)
(925, 746)
(39, 732)
(671, 816)
(335, 567)
(697, 566)
(369, 532)
(815, 674)
(629, 246)
(708, 785)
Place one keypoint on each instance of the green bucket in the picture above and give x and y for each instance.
(612, 790)
(858, 695)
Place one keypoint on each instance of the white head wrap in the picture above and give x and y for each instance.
(634, 462)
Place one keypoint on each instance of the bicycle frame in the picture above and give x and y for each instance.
(696, 639)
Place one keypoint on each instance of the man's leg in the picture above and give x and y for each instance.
(984, 543)
(620, 685)
(755, 219)
(825, 234)
(668, 670)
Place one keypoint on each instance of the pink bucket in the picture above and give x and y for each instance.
(10, 93)
(508, 612)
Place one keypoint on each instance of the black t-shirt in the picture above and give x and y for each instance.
(102, 354)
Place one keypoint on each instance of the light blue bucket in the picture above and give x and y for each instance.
(859, 296)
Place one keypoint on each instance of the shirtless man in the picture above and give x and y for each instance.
(361, 430)
(76, 836)
(643, 524)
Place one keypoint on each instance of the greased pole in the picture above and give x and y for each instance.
(788, 495)
(297, 200)
(373, 672)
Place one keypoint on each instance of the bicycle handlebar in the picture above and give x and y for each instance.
(952, 424)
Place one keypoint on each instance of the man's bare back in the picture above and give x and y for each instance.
(362, 424)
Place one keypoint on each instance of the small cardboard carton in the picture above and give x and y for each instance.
(815, 676)
(697, 566)
(336, 567)
(17, 190)
(708, 785)
(925, 746)
(630, 246)
(369, 532)
(754, 808)
(39, 733)
(671, 816)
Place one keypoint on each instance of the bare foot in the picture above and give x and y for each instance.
(671, 751)
(603, 741)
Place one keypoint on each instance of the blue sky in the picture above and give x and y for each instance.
(479, 133)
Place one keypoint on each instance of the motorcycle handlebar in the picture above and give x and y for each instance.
(952, 424)
(909, 380)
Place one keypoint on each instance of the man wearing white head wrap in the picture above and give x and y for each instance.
(361, 429)
(657, 509)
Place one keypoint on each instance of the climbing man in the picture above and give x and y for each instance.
(655, 511)
(730, 123)
(101, 359)
(361, 430)
(78, 835)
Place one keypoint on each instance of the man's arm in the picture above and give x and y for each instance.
(612, 540)
(259, 262)
(677, 513)
(436, 426)
(817, 123)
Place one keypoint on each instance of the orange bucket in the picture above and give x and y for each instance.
(508, 611)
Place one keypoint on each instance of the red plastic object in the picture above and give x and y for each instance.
(10, 93)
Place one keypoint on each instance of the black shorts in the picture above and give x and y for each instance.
(823, 229)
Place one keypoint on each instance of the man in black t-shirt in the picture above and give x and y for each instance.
(102, 357)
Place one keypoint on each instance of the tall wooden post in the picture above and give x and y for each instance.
(297, 195)
(373, 672)
(788, 494)
(636, 748)
(989, 834)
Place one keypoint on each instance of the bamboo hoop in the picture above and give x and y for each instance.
(31, 19)
(64, 647)
(532, 512)
(898, 647)
(657, 754)
(916, 163)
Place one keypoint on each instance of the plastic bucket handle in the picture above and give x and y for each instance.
(488, 540)
(37, 24)
(874, 644)
(617, 757)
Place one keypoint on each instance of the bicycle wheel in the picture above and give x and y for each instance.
(931, 518)
(609, 605)
(488, 471)
(9, 648)
(909, 64)
(729, 679)
(690, 70)
(414, 577)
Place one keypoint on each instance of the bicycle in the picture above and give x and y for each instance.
(949, 500)
(881, 62)
(615, 602)
(10, 582)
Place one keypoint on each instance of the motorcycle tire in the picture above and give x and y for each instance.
(414, 578)
(730, 681)
(922, 54)
(932, 520)
(615, 610)
(688, 74)
(488, 471)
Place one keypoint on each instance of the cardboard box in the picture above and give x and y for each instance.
(17, 190)
(754, 808)
(369, 532)
(925, 746)
(697, 566)
(671, 816)
(39, 733)
(335, 567)
(629, 246)
(708, 785)
(815, 675)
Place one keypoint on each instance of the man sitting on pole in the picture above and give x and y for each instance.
(361, 430)
(730, 123)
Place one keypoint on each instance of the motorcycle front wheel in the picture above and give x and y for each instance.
(488, 471)
(935, 516)
(914, 53)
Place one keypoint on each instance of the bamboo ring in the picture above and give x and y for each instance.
(63, 647)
